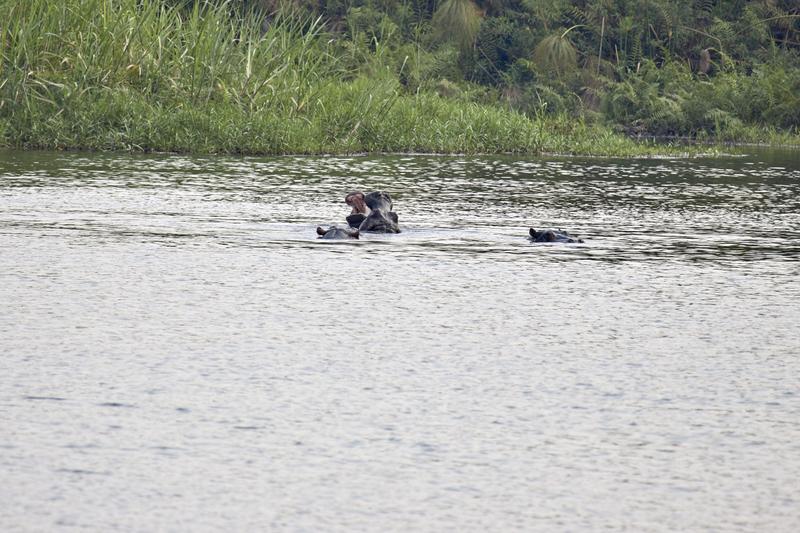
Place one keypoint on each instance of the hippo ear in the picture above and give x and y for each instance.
(320, 231)
(532, 232)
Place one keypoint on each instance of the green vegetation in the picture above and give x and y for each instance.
(396, 76)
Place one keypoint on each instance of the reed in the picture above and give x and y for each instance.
(154, 76)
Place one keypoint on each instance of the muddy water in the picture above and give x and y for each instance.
(179, 353)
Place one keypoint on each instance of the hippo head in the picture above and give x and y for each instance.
(335, 232)
(372, 212)
(546, 235)
(380, 221)
(549, 235)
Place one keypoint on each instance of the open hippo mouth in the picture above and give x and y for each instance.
(357, 201)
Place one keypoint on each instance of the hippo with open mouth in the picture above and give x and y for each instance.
(372, 212)
(551, 235)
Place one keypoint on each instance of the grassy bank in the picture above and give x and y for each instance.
(358, 116)
(148, 75)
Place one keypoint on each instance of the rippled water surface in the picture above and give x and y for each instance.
(178, 351)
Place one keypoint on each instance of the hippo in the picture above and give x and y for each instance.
(335, 233)
(372, 212)
(551, 235)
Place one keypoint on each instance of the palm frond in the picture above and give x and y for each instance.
(556, 53)
(458, 20)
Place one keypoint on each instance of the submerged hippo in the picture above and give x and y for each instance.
(551, 235)
(335, 232)
(372, 212)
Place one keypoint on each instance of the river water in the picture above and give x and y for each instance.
(178, 352)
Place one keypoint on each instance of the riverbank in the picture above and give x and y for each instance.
(358, 117)
(143, 76)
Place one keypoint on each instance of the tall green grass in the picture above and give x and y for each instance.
(149, 75)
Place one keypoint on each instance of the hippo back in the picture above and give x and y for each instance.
(336, 233)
